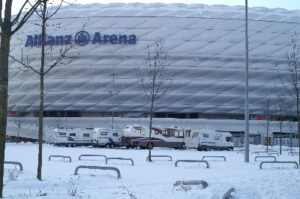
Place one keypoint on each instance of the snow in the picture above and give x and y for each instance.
(146, 180)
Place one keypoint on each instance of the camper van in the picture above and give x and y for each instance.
(205, 139)
(132, 132)
(138, 137)
(73, 137)
(107, 137)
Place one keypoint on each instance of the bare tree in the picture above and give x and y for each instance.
(154, 79)
(292, 82)
(9, 26)
(45, 13)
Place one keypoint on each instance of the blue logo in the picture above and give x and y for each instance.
(82, 38)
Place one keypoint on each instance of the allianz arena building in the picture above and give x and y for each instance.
(206, 57)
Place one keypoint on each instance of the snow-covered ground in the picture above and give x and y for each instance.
(146, 180)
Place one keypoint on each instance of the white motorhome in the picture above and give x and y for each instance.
(205, 139)
(73, 136)
(107, 137)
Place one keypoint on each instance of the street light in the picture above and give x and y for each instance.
(246, 87)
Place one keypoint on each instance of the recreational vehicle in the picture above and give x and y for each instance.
(73, 136)
(137, 136)
(107, 137)
(205, 139)
(132, 132)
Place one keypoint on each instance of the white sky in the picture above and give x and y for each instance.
(287, 4)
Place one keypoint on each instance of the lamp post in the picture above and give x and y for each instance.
(246, 87)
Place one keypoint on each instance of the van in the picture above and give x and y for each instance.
(72, 137)
(107, 137)
(205, 139)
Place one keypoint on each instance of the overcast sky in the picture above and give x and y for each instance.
(287, 4)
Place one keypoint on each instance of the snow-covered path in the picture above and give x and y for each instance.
(146, 180)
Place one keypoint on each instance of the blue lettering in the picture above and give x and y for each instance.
(106, 38)
(29, 41)
(50, 40)
(59, 40)
(132, 39)
(97, 38)
(81, 38)
(113, 39)
(36, 40)
(68, 39)
(122, 39)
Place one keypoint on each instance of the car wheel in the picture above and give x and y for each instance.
(150, 145)
(183, 146)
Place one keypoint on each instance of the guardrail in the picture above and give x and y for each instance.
(118, 158)
(228, 193)
(265, 152)
(92, 155)
(211, 156)
(279, 162)
(161, 156)
(97, 167)
(15, 163)
(274, 152)
(265, 156)
(200, 161)
(60, 156)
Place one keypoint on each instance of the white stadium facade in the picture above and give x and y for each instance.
(206, 57)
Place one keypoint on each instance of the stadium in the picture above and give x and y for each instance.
(206, 56)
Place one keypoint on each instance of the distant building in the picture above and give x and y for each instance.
(206, 53)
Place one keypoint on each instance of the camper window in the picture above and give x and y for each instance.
(103, 133)
(72, 134)
(228, 139)
(86, 135)
(115, 134)
(196, 134)
(62, 134)
(205, 135)
(217, 137)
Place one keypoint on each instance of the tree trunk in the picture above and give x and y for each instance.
(298, 116)
(41, 112)
(150, 131)
(4, 53)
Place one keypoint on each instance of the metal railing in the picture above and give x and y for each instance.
(191, 161)
(60, 156)
(210, 156)
(15, 163)
(279, 162)
(119, 158)
(265, 156)
(92, 155)
(161, 156)
(97, 167)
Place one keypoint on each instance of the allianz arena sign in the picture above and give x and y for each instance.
(82, 38)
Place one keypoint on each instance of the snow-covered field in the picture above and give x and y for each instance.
(146, 180)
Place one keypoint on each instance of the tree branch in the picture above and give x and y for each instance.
(57, 9)
(60, 58)
(25, 65)
(19, 13)
(26, 16)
